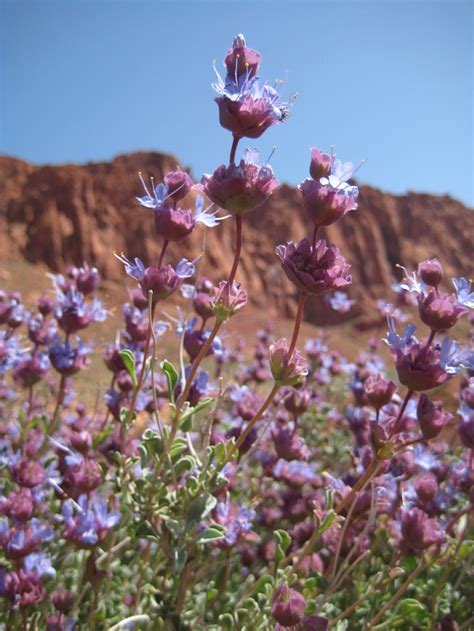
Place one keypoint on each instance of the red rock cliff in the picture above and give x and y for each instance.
(67, 214)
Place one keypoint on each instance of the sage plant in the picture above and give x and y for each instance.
(287, 487)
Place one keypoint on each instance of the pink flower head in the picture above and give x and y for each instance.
(287, 370)
(314, 270)
(171, 222)
(241, 60)
(418, 531)
(419, 367)
(227, 300)
(243, 187)
(162, 281)
(328, 197)
(246, 106)
(379, 391)
(438, 310)
(325, 206)
(288, 606)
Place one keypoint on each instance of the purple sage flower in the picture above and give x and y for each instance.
(243, 187)
(314, 270)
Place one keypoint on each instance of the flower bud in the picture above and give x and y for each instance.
(241, 60)
(431, 272)
(379, 391)
(297, 401)
(63, 599)
(124, 381)
(431, 417)
(320, 165)
(288, 606)
(202, 303)
(205, 285)
(179, 184)
(288, 445)
(140, 301)
(81, 441)
(46, 304)
(112, 358)
(87, 280)
(83, 477)
(193, 343)
(426, 487)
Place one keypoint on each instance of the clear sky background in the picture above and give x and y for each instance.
(386, 80)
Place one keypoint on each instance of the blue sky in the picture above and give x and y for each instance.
(386, 80)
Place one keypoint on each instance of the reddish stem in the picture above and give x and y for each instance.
(315, 234)
(235, 142)
(238, 248)
(298, 318)
(430, 339)
(162, 255)
(400, 413)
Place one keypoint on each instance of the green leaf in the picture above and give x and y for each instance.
(213, 533)
(152, 442)
(411, 609)
(101, 436)
(186, 463)
(466, 548)
(194, 410)
(180, 558)
(283, 538)
(199, 508)
(410, 563)
(128, 359)
(327, 521)
(226, 622)
(261, 584)
(126, 417)
(172, 377)
(178, 446)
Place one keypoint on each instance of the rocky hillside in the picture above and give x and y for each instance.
(67, 214)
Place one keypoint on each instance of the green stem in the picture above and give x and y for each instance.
(131, 409)
(192, 373)
(398, 594)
